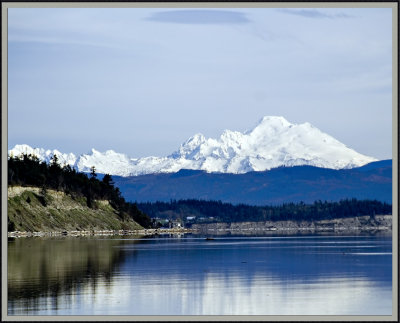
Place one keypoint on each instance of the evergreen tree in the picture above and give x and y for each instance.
(54, 160)
(93, 172)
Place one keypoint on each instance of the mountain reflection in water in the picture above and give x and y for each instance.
(323, 275)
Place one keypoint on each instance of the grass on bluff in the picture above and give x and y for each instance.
(57, 211)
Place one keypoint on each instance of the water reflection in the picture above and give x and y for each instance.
(191, 276)
(49, 267)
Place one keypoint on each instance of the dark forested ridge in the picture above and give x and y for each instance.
(272, 187)
(27, 170)
(200, 211)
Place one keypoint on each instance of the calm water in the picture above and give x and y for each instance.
(274, 275)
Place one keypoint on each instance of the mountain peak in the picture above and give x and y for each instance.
(273, 142)
(272, 119)
(270, 126)
(198, 137)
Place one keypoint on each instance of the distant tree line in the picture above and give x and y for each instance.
(216, 211)
(27, 170)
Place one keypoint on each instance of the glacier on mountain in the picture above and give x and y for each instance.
(273, 142)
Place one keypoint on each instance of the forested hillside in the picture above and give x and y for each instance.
(273, 187)
(27, 170)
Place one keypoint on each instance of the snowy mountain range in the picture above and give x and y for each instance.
(273, 142)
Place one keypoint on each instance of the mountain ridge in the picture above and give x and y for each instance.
(276, 186)
(273, 142)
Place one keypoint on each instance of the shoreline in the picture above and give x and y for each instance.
(380, 223)
(87, 233)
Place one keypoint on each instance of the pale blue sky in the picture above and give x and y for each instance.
(141, 81)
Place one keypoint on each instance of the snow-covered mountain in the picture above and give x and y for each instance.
(273, 142)
(43, 155)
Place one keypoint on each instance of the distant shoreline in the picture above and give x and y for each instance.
(340, 225)
(380, 223)
(85, 233)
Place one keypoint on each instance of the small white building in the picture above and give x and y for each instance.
(175, 225)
